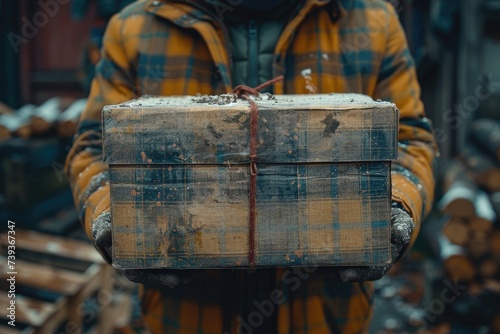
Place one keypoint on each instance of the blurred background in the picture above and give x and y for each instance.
(449, 283)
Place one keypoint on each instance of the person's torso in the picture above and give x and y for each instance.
(176, 50)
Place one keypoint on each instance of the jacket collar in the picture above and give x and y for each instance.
(185, 15)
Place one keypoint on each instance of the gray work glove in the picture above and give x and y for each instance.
(402, 226)
(101, 233)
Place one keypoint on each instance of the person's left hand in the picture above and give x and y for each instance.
(102, 240)
(402, 226)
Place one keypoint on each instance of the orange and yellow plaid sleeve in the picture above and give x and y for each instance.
(413, 175)
(85, 170)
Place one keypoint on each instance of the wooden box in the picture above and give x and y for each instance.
(180, 179)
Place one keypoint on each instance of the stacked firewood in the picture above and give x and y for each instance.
(56, 115)
(470, 240)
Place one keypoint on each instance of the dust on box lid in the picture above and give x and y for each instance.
(291, 129)
(179, 180)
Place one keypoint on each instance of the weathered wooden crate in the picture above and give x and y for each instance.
(179, 171)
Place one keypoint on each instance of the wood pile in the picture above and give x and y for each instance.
(57, 116)
(57, 277)
(68, 120)
(469, 244)
(16, 124)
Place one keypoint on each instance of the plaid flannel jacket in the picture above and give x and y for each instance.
(176, 48)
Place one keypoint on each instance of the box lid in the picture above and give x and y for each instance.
(215, 130)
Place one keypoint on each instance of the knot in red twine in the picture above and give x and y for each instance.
(244, 92)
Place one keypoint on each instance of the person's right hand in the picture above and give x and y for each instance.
(102, 239)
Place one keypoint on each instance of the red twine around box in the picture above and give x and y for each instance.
(244, 92)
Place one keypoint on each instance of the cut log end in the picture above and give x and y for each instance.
(495, 244)
(40, 126)
(460, 207)
(478, 248)
(489, 180)
(457, 231)
(460, 268)
(24, 131)
(66, 129)
(489, 268)
(480, 225)
(4, 134)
